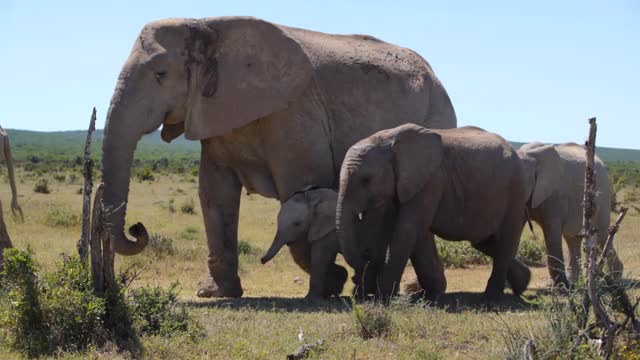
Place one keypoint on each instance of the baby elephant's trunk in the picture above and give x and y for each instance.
(278, 243)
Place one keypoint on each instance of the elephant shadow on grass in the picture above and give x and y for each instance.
(451, 302)
(286, 304)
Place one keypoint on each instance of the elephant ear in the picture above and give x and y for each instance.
(252, 69)
(417, 156)
(323, 202)
(549, 173)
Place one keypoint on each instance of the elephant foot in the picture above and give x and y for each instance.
(518, 276)
(209, 288)
(334, 280)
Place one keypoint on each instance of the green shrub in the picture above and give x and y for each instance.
(631, 196)
(62, 217)
(160, 246)
(59, 177)
(531, 252)
(157, 311)
(244, 247)
(42, 186)
(372, 320)
(41, 315)
(188, 207)
(21, 316)
(460, 254)
(145, 174)
(189, 233)
(73, 312)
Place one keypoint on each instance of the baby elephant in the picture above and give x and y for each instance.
(310, 215)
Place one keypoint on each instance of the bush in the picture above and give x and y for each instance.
(531, 252)
(372, 320)
(460, 254)
(41, 186)
(59, 177)
(62, 217)
(188, 207)
(157, 311)
(21, 316)
(145, 174)
(189, 233)
(244, 247)
(40, 315)
(57, 313)
(160, 246)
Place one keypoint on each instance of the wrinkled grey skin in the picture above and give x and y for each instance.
(310, 216)
(460, 184)
(275, 109)
(5, 240)
(555, 175)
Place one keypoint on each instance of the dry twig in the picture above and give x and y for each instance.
(83, 244)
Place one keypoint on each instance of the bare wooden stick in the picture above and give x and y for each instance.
(612, 233)
(83, 244)
(590, 239)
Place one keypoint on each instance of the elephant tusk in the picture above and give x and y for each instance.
(360, 216)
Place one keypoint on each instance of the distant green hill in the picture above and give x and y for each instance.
(608, 154)
(66, 145)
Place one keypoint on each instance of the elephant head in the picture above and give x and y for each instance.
(201, 77)
(543, 169)
(308, 215)
(380, 174)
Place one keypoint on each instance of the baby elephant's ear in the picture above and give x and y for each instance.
(323, 221)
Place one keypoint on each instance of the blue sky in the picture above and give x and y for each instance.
(529, 71)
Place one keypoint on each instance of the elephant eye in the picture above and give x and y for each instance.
(297, 223)
(160, 75)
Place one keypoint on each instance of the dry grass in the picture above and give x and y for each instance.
(264, 324)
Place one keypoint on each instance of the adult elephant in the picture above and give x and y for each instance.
(275, 108)
(556, 184)
(5, 240)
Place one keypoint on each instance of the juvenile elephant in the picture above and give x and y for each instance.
(460, 184)
(310, 215)
(5, 148)
(556, 184)
(275, 109)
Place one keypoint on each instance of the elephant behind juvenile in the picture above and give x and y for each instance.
(556, 183)
(274, 107)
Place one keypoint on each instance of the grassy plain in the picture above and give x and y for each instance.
(264, 324)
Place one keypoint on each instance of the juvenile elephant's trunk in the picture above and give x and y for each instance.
(277, 244)
(120, 140)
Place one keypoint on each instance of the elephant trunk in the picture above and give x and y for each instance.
(120, 140)
(277, 244)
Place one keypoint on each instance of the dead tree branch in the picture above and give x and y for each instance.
(83, 244)
(612, 233)
(304, 350)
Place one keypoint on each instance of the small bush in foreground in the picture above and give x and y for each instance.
(58, 311)
(42, 186)
(157, 311)
(372, 320)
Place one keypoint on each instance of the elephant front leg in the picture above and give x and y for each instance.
(327, 278)
(220, 204)
(555, 259)
(5, 241)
